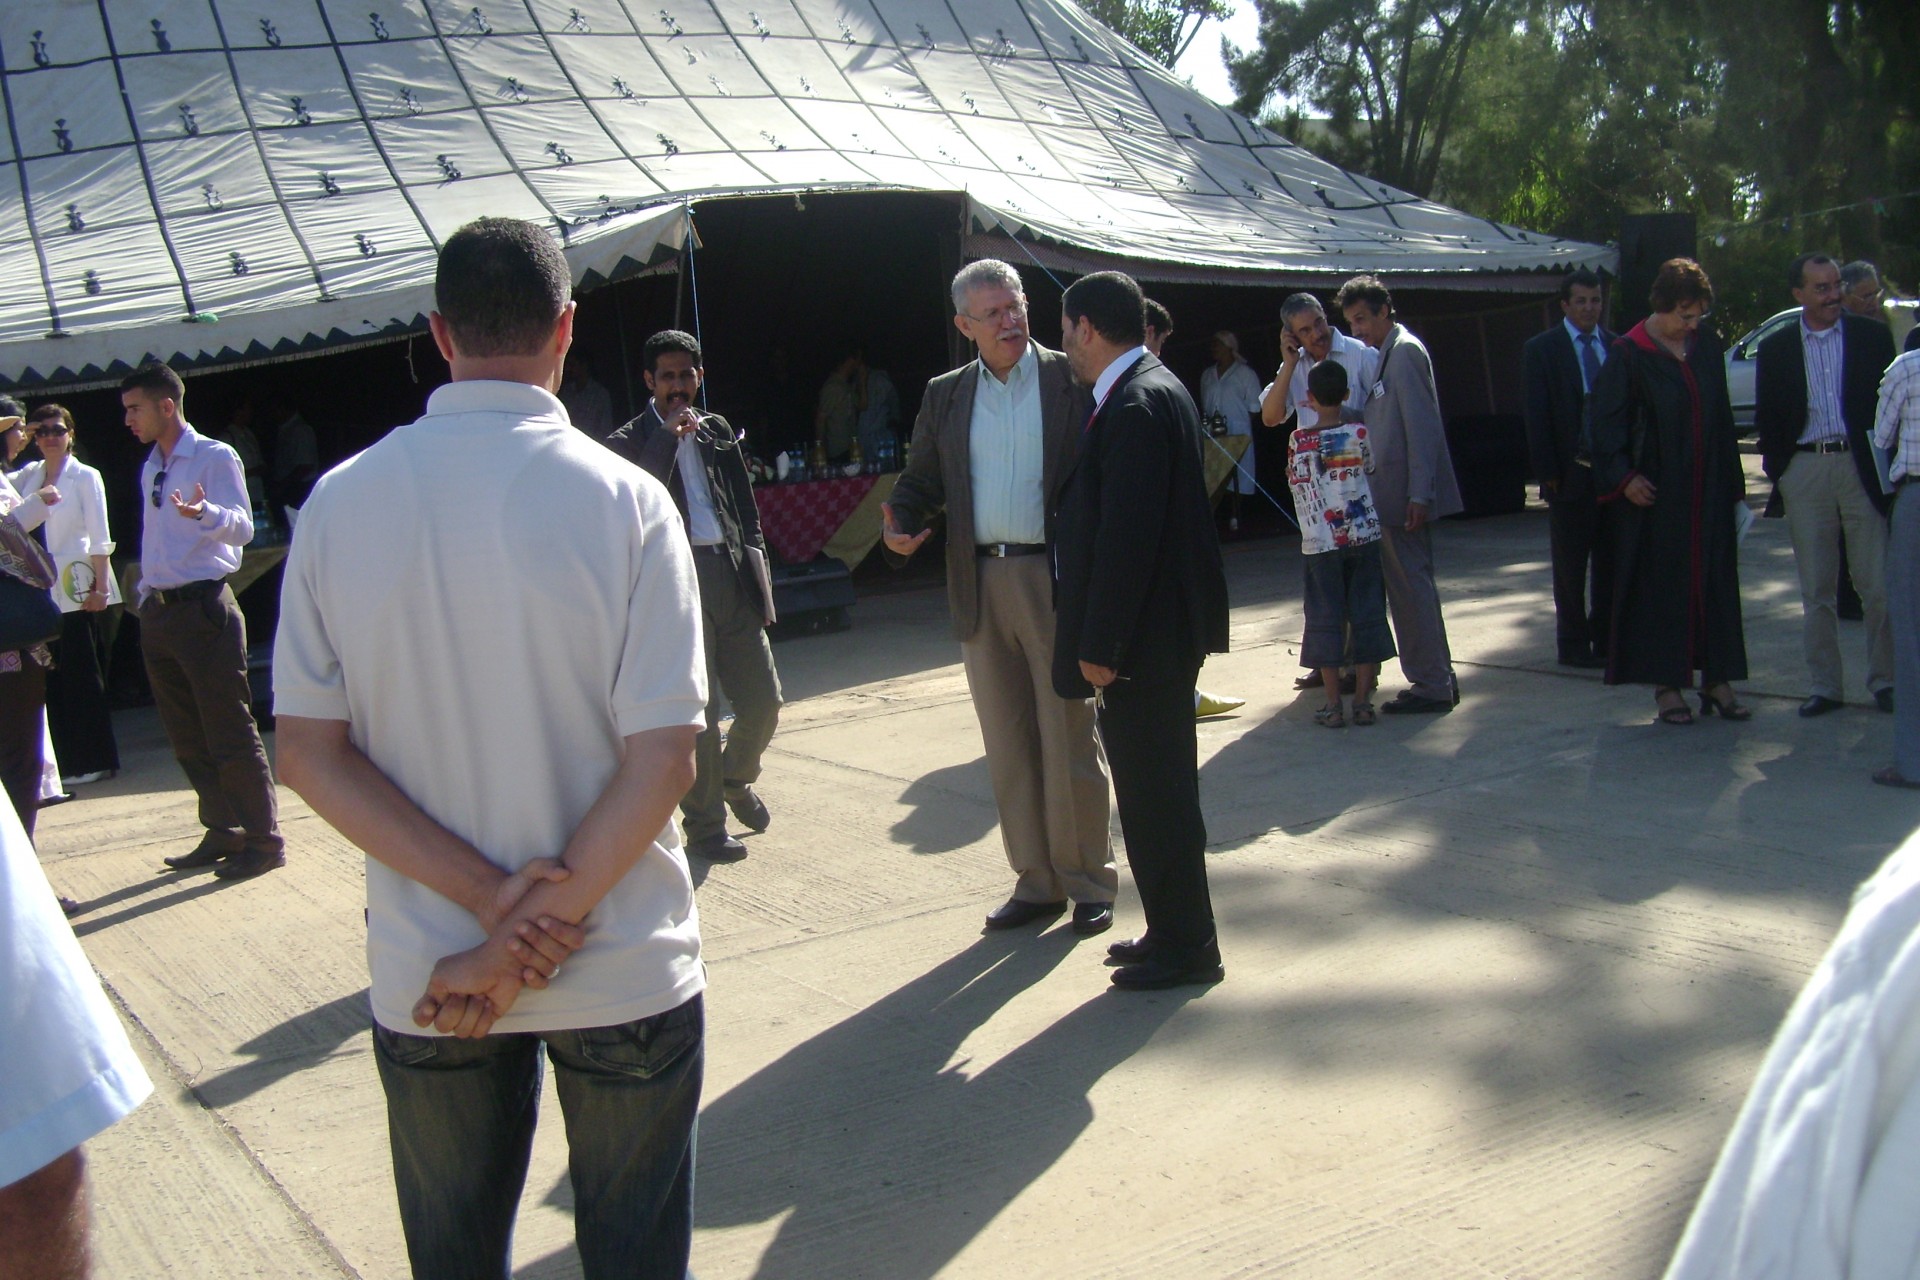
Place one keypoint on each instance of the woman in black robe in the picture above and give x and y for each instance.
(1666, 462)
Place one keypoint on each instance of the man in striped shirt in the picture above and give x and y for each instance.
(1813, 404)
(1896, 428)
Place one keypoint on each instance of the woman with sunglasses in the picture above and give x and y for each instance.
(1667, 465)
(78, 539)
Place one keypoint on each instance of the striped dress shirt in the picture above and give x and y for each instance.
(1825, 350)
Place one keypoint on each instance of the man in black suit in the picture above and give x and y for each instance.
(697, 456)
(1815, 390)
(1141, 599)
(1561, 366)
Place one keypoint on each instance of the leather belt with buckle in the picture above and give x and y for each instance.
(187, 591)
(1004, 550)
(710, 548)
(1824, 446)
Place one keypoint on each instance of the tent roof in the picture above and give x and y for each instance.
(206, 182)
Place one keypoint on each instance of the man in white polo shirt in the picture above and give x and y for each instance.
(489, 658)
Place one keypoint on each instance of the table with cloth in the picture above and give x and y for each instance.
(1222, 455)
(840, 516)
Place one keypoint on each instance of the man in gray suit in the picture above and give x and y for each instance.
(992, 445)
(1413, 485)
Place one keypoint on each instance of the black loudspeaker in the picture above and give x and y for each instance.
(1646, 241)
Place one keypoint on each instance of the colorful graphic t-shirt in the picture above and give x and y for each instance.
(1327, 470)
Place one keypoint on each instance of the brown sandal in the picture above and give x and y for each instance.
(1675, 712)
(1363, 713)
(1330, 717)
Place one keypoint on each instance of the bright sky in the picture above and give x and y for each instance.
(1202, 62)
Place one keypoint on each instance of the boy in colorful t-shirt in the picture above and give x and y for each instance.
(1327, 465)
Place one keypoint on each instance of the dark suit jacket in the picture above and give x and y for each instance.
(645, 443)
(1138, 584)
(1780, 399)
(939, 471)
(1556, 405)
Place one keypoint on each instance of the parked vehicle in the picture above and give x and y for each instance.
(1741, 365)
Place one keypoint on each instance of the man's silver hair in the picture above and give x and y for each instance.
(1300, 304)
(988, 273)
(1854, 272)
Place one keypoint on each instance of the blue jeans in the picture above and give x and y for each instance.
(460, 1116)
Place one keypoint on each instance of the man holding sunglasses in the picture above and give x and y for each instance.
(197, 523)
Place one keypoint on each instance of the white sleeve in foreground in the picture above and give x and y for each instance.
(66, 1069)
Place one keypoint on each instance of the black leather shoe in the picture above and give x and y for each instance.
(251, 863)
(1883, 699)
(204, 854)
(1015, 912)
(748, 809)
(1090, 918)
(1408, 704)
(1156, 973)
(717, 848)
(1584, 659)
(1818, 705)
(1131, 951)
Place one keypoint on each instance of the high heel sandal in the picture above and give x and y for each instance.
(1727, 710)
(1674, 714)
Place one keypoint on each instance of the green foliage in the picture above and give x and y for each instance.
(1564, 116)
(1389, 74)
(1161, 29)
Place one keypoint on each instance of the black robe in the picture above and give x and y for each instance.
(1677, 594)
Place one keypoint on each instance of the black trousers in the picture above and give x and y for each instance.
(1582, 575)
(77, 713)
(1153, 752)
(196, 654)
(22, 694)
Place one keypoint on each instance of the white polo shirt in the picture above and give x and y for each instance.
(489, 654)
(66, 1069)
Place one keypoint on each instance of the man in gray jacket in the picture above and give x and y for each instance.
(1413, 485)
(992, 446)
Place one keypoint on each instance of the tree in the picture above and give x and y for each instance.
(1388, 74)
(1161, 29)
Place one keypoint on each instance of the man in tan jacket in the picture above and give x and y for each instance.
(992, 445)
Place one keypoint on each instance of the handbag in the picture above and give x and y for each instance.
(28, 615)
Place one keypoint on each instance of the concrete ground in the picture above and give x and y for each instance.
(1496, 981)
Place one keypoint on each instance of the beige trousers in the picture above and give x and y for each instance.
(1049, 773)
(1823, 496)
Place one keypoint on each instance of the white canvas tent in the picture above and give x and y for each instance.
(214, 181)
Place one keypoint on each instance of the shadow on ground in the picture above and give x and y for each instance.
(885, 1156)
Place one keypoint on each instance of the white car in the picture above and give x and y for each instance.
(1741, 365)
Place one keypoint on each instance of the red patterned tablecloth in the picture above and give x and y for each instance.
(797, 519)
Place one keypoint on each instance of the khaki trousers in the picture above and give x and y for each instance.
(1049, 773)
(1823, 496)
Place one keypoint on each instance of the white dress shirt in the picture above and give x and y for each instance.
(1112, 373)
(76, 528)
